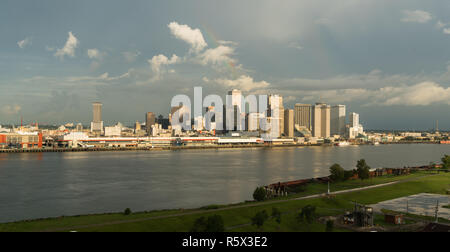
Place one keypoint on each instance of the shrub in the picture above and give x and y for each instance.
(212, 224)
(259, 194)
(199, 225)
(215, 224)
(307, 214)
(276, 214)
(446, 162)
(337, 172)
(329, 226)
(259, 219)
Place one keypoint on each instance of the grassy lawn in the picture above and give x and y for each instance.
(238, 219)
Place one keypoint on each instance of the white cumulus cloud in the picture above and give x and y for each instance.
(422, 94)
(24, 43)
(244, 83)
(69, 48)
(194, 37)
(95, 54)
(158, 61)
(217, 55)
(416, 16)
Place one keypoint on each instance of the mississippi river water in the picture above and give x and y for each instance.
(40, 185)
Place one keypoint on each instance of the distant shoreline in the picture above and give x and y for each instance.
(175, 148)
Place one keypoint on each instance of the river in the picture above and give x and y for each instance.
(40, 185)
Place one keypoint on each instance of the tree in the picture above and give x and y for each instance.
(307, 214)
(363, 169)
(348, 174)
(199, 225)
(259, 219)
(276, 214)
(337, 172)
(215, 224)
(212, 224)
(446, 162)
(127, 211)
(259, 194)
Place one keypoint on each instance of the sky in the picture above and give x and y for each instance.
(387, 60)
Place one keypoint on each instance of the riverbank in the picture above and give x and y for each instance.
(237, 217)
(193, 147)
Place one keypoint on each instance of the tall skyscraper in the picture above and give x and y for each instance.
(183, 121)
(289, 122)
(137, 127)
(302, 115)
(338, 120)
(235, 112)
(210, 118)
(150, 120)
(354, 128)
(321, 120)
(97, 123)
(275, 111)
(354, 120)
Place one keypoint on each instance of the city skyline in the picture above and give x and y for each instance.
(397, 74)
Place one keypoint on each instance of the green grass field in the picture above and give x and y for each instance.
(238, 217)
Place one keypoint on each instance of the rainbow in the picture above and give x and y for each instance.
(211, 37)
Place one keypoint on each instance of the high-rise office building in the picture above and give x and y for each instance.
(338, 120)
(235, 112)
(275, 113)
(183, 120)
(289, 122)
(354, 128)
(137, 126)
(210, 118)
(150, 120)
(354, 120)
(302, 115)
(321, 120)
(97, 123)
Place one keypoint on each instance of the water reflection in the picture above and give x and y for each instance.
(34, 185)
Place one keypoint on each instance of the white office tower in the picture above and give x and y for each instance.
(199, 123)
(354, 128)
(97, 123)
(321, 114)
(253, 121)
(113, 131)
(338, 120)
(275, 115)
(180, 119)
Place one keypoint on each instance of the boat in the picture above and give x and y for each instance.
(342, 144)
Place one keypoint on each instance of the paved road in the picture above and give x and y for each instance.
(230, 208)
